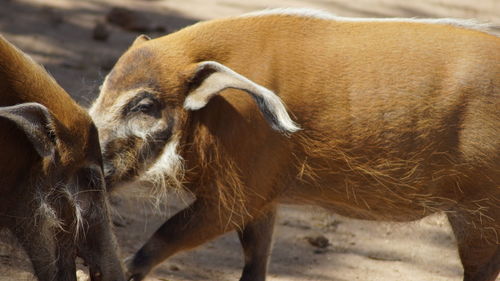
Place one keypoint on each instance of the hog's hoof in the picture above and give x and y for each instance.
(81, 275)
(135, 277)
(134, 273)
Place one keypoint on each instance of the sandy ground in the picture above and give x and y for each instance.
(58, 34)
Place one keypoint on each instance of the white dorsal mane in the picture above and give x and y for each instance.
(318, 14)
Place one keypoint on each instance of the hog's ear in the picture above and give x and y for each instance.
(141, 39)
(36, 122)
(209, 78)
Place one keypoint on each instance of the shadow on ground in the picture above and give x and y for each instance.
(61, 39)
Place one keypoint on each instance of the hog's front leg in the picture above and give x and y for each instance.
(191, 227)
(256, 240)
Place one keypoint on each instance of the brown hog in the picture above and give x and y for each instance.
(400, 119)
(52, 189)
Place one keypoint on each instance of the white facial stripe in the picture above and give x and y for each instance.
(109, 117)
(169, 163)
(117, 106)
(138, 130)
(312, 13)
(166, 173)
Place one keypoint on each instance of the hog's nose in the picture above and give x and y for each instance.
(109, 169)
(109, 172)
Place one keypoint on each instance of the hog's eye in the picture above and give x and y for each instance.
(145, 103)
(144, 106)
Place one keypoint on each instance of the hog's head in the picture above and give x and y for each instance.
(53, 158)
(145, 102)
(67, 183)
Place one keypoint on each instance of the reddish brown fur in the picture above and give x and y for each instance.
(399, 121)
(39, 195)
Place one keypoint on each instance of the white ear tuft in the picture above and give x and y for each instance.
(141, 39)
(221, 77)
(193, 104)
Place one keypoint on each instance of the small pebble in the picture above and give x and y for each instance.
(54, 17)
(129, 20)
(174, 267)
(100, 32)
(319, 241)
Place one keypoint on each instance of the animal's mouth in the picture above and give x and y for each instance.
(126, 159)
(120, 160)
(94, 274)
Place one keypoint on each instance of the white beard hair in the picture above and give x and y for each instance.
(166, 173)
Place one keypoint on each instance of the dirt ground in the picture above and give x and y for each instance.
(58, 34)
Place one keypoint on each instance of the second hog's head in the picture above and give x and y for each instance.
(145, 102)
(52, 195)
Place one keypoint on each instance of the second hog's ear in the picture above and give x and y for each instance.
(141, 39)
(36, 122)
(209, 78)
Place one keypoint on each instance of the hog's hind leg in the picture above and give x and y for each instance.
(478, 247)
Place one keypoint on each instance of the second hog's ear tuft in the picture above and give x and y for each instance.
(36, 122)
(141, 39)
(209, 78)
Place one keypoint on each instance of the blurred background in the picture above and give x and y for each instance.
(79, 42)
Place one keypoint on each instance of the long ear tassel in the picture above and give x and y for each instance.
(222, 77)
